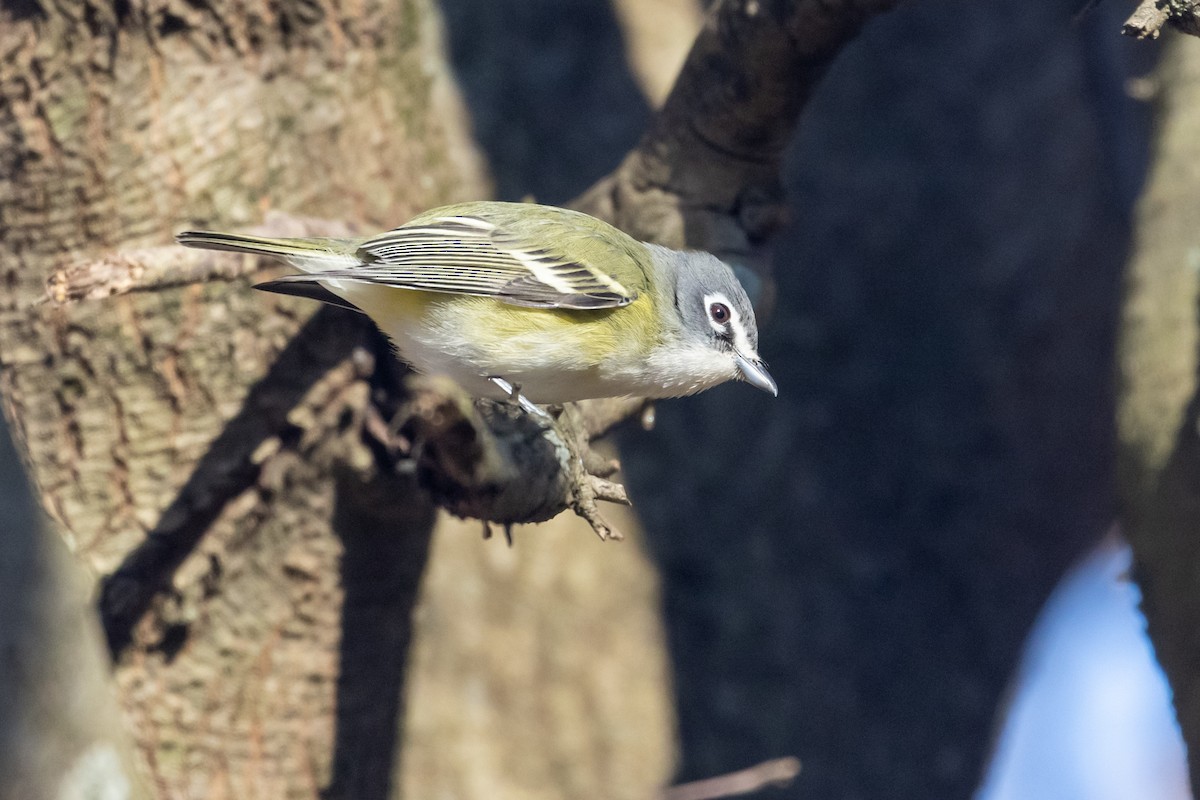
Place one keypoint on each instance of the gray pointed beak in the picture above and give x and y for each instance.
(755, 374)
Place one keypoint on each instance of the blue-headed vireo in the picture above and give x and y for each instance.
(516, 297)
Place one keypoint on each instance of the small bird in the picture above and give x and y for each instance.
(531, 302)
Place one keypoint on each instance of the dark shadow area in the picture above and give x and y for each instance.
(552, 100)
(19, 10)
(224, 471)
(57, 699)
(850, 571)
(385, 528)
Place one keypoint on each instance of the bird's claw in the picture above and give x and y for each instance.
(513, 390)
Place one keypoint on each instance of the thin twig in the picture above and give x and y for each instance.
(776, 772)
(608, 491)
(156, 268)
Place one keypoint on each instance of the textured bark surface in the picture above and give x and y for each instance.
(199, 445)
(1159, 413)
(121, 122)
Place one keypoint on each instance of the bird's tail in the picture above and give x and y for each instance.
(310, 255)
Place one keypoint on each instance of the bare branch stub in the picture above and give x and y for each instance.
(1151, 16)
(156, 268)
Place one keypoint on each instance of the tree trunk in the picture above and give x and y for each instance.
(1159, 412)
(259, 572)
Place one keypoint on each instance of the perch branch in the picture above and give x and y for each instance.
(1149, 18)
(494, 462)
(482, 459)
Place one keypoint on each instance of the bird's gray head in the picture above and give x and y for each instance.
(715, 311)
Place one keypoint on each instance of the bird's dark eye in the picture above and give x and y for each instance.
(719, 313)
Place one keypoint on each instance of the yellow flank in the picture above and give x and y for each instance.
(510, 335)
(386, 304)
(583, 337)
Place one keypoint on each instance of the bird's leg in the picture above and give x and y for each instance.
(514, 394)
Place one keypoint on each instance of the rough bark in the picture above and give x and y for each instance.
(1159, 412)
(121, 122)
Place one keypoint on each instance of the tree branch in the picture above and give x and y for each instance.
(481, 459)
(1148, 19)
(706, 174)
(494, 462)
(156, 268)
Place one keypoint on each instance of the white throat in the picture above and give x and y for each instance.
(684, 369)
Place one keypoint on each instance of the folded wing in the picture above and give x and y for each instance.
(536, 262)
